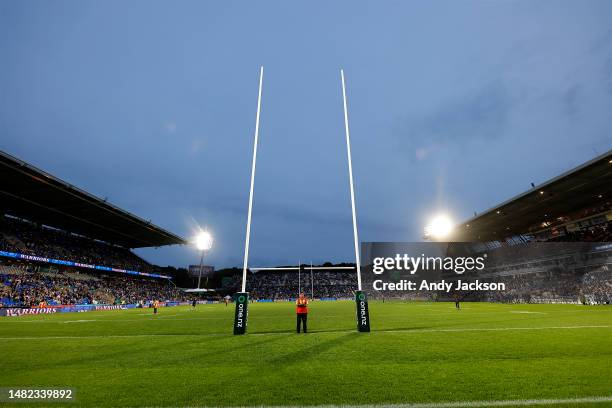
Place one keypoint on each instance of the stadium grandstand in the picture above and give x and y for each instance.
(574, 206)
(571, 215)
(60, 245)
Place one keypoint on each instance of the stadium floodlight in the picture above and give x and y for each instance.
(204, 241)
(439, 227)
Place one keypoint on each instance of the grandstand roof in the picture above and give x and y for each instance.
(30, 193)
(582, 187)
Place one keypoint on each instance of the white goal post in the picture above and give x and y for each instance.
(240, 318)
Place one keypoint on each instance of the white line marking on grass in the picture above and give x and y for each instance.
(151, 319)
(526, 312)
(491, 329)
(474, 404)
(291, 333)
(78, 321)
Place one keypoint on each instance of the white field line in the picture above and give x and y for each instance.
(526, 312)
(144, 320)
(291, 333)
(472, 404)
(158, 317)
(76, 321)
(492, 329)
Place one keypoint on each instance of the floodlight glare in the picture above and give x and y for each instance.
(440, 227)
(204, 241)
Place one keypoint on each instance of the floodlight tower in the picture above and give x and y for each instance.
(203, 242)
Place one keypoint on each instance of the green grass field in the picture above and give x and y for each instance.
(416, 353)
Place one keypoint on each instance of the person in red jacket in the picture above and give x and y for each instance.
(302, 311)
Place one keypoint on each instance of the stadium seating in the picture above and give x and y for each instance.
(27, 238)
(24, 283)
(29, 285)
(285, 285)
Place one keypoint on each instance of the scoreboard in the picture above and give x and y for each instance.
(207, 270)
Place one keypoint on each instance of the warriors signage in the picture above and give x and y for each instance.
(27, 311)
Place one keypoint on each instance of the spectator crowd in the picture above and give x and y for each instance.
(281, 285)
(25, 286)
(27, 238)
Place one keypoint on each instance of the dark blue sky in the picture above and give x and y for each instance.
(454, 106)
